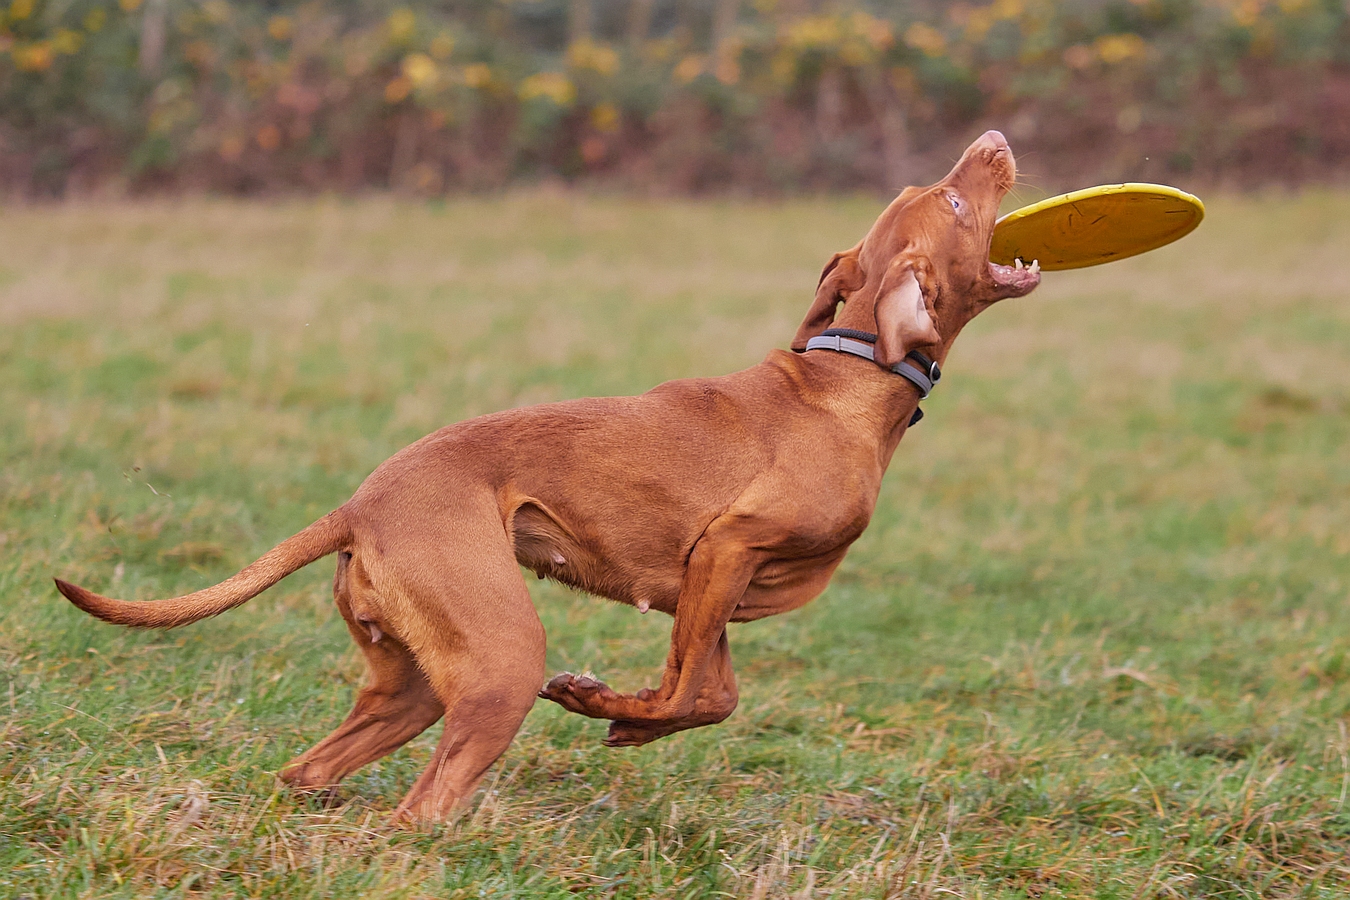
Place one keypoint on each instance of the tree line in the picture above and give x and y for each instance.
(763, 96)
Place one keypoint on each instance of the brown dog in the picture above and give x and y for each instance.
(714, 500)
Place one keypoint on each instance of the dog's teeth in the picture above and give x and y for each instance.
(1035, 267)
(1017, 263)
(559, 560)
(375, 632)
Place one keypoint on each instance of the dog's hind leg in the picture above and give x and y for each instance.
(468, 619)
(395, 706)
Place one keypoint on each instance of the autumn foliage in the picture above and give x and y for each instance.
(666, 95)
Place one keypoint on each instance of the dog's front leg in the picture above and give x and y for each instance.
(720, 569)
(715, 702)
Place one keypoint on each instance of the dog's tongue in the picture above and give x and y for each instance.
(1017, 279)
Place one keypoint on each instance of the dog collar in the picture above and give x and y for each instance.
(860, 343)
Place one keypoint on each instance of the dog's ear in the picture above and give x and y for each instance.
(842, 275)
(904, 314)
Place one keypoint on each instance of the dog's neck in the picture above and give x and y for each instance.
(916, 367)
(870, 399)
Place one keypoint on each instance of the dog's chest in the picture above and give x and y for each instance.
(818, 515)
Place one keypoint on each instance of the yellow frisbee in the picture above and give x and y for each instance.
(1095, 225)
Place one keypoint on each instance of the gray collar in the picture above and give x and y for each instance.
(860, 343)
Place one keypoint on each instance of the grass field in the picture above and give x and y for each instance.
(1096, 641)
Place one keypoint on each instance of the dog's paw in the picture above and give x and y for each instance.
(631, 734)
(307, 777)
(556, 689)
(579, 694)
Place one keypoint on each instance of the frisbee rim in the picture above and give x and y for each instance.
(1102, 190)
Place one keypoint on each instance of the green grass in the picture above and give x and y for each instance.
(1095, 643)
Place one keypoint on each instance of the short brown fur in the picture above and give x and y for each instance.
(713, 500)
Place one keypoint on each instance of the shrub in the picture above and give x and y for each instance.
(668, 94)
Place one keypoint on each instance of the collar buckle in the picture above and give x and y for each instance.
(928, 366)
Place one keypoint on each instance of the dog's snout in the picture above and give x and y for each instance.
(990, 148)
(996, 138)
(999, 155)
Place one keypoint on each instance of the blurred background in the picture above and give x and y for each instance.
(664, 96)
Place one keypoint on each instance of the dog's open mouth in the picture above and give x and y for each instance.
(1016, 280)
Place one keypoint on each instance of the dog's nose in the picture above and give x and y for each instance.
(996, 138)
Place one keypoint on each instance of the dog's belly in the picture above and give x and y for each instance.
(646, 575)
(628, 588)
(786, 584)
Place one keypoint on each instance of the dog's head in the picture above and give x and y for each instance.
(923, 270)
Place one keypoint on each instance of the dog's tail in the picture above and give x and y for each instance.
(325, 536)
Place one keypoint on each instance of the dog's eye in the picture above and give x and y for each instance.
(955, 201)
